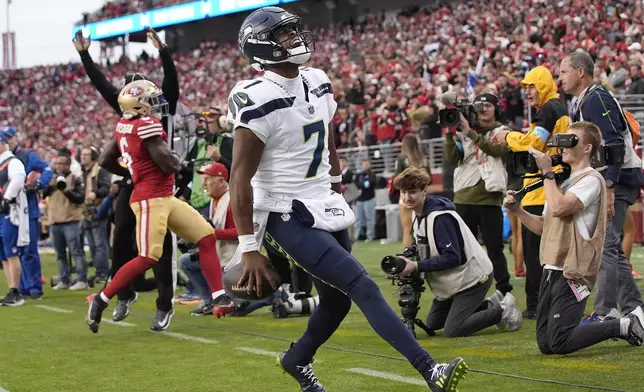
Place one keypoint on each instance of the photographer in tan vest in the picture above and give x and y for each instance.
(572, 230)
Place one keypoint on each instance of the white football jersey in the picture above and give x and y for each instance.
(295, 162)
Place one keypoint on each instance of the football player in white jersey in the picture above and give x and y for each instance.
(285, 165)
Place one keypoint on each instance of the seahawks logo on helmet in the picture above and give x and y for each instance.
(271, 35)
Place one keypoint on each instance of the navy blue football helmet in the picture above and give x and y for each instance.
(272, 35)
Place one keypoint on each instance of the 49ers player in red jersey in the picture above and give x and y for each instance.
(142, 144)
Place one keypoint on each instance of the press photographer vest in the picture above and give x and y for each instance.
(561, 246)
(447, 283)
(477, 165)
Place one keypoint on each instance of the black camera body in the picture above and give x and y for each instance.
(61, 183)
(450, 117)
(409, 287)
(393, 265)
(523, 162)
(90, 212)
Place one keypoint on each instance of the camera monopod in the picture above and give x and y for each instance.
(559, 176)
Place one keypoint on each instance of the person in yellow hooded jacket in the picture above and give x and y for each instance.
(551, 117)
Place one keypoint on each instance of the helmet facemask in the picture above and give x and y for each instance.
(286, 42)
(299, 43)
(158, 105)
(142, 98)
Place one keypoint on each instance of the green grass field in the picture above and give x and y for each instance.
(44, 350)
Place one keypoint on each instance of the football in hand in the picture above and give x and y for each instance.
(234, 273)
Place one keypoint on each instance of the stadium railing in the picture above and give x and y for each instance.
(383, 156)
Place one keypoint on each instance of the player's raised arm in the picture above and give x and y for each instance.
(170, 84)
(247, 153)
(109, 92)
(108, 160)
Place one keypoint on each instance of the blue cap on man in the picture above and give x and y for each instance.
(4, 138)
(10, 132)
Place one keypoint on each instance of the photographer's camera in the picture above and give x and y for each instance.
(410, 287)
(451, 117)
(61, 183)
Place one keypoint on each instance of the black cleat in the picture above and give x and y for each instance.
(222, 306)
(95, 312)
(635, 335)
(529, 314)
(302, 374)
(122, 309)
(162, 320)
(444, 377)
(14, 299)
(204, 310)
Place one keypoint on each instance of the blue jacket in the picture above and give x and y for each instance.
(32, 162)
(448, 237)
(599, 107)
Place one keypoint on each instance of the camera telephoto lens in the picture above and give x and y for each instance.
(392, 265)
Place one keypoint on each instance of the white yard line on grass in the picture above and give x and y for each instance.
(119, 323)
(3, 390)
(187, 337)
(257, 351)
(387, 376)
(51, 309)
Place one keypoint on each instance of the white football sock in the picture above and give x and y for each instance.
(218, 294)
(624, 323)
(104, 298)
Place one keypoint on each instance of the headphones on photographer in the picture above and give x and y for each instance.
(491, 99)
(95, 153)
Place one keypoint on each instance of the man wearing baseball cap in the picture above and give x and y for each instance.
(14, 222)
(480, 181)
(39, 175)
(220, 216)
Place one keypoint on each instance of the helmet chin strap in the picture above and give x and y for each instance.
(299, 55)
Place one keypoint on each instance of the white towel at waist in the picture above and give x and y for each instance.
(19, 216)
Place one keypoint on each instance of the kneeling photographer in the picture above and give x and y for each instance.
(572, 229)
(456, 267)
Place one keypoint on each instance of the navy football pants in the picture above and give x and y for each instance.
(339, 279)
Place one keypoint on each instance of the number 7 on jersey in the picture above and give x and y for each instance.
(309, 131)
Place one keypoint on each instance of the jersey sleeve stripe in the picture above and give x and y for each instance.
(255, 83)
(155, 129)
(322, 90)
(266, 109)
(152, 134)
(143, 128)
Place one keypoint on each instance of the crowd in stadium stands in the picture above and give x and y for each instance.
(113, 9)
(388, 73)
